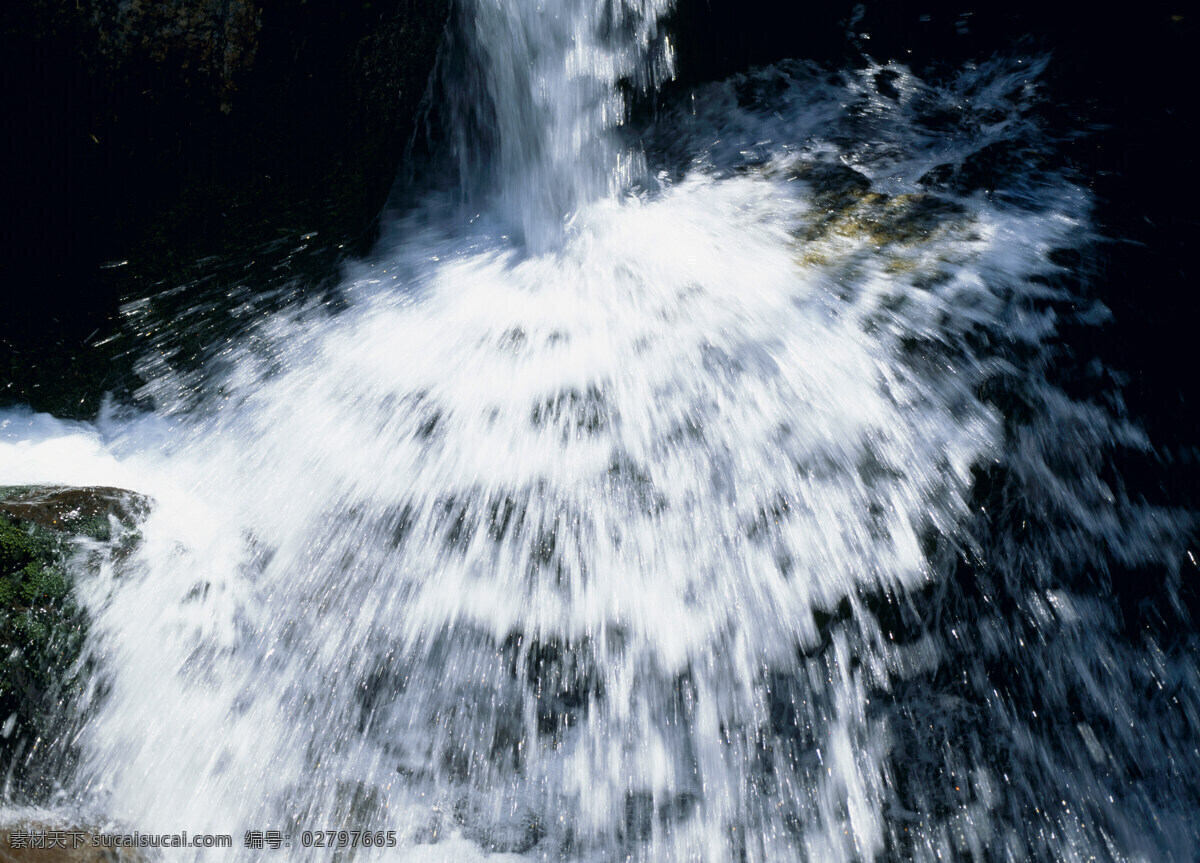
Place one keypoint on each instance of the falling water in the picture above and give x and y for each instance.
(718, 498)
(530, 94)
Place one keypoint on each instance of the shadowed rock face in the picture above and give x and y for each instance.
(210, 43)
(160, 132)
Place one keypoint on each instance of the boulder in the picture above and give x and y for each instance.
(34, 842)
(42, 628)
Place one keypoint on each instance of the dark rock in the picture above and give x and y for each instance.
(75, 510)
(143, 136)
(983, 169)
(833, 186)
(639, 815)
(717, 38)
(679, 808)
(845, 205)
(885, 83)
(566, 681)
(498, 832)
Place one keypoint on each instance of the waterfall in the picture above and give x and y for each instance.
(532, 93)
(713, 495)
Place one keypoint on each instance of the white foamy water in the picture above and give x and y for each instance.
(585, 548)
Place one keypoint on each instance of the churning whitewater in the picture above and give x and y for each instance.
(713, 497)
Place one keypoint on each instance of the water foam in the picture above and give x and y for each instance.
(578, 551)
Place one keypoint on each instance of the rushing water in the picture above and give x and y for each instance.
(734, 495)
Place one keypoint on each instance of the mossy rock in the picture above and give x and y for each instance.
(78, 511)
(845, 206)
(850, 221)
(38, 842)
(42, 627)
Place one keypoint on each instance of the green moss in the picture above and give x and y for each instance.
(41, 627)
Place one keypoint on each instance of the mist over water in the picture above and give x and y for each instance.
(722, 497)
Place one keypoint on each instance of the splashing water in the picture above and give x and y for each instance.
(746, 518)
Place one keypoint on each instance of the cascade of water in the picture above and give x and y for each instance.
(646, 545)
(533, 95)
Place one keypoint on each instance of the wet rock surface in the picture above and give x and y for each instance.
(846, 207)
(76, 510)
(42, 627)
(34, 842)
